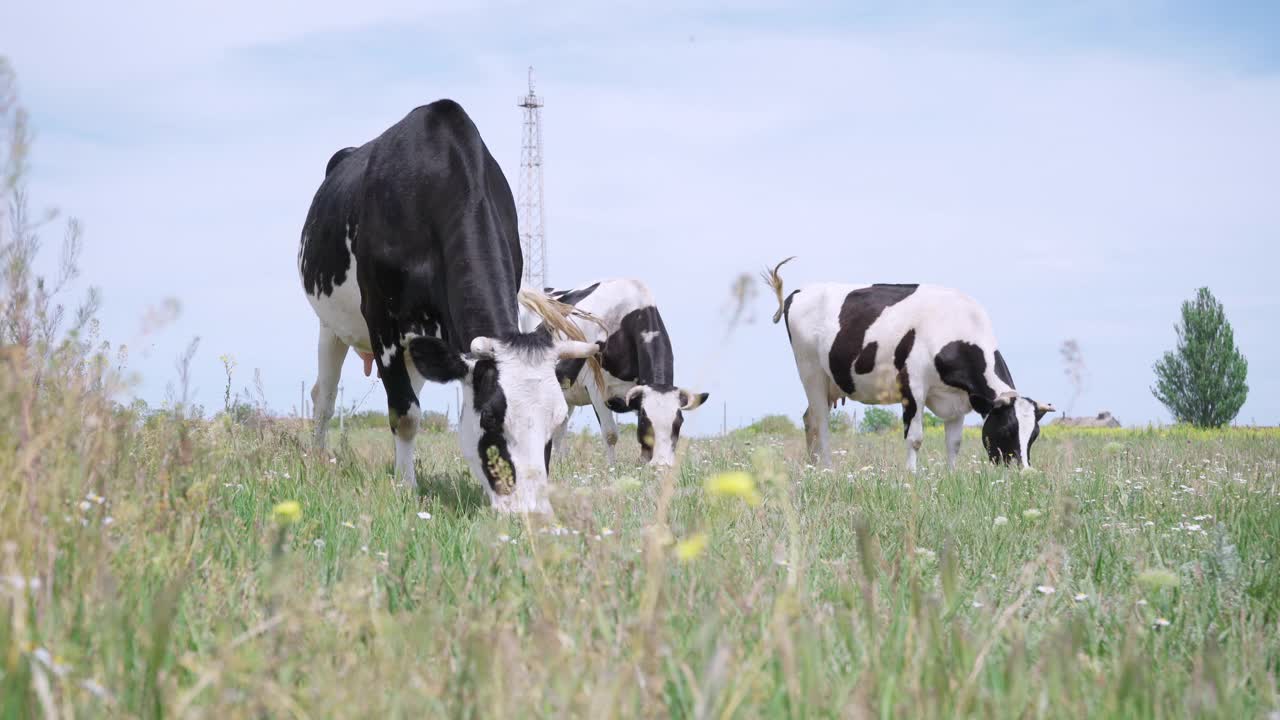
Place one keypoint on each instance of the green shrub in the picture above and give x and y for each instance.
(841, 422)
(771, 425)
(877, 419)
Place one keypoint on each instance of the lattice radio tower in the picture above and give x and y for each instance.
(533, 238)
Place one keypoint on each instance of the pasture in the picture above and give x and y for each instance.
(150, 570)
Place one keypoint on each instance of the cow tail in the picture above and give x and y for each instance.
(774, 281)
(557, 317)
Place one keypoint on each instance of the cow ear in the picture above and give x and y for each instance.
(574, 350)
(435, 361)
(1043, 409)
(1004, 399)
(691, 400)
(483, 347)
(634, 397)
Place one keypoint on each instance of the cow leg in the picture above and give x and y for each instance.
(330, 353)
(558, 447)
(817, 419)
(810, 434)
(402, 410)
(955, 431)
(913, 423)
(604, 416)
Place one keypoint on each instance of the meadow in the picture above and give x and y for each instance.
(174, 567)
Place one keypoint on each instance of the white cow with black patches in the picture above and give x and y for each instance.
(913, 344)
(638, 363)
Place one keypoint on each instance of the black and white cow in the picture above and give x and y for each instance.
(410, 249)
(914, 344)
(638, 363)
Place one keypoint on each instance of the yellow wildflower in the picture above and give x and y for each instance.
(287, 512)
(738, 484)
(691, 547)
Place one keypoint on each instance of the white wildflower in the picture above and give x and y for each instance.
(1046, 589)
(19, 582)
(1000, 520)
(424, 515)
(46, 658)
(95, 689)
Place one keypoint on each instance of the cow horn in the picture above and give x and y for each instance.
(1005, 398)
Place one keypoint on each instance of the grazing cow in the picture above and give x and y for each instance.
(635, 352)
(410, 254)
(914, 344)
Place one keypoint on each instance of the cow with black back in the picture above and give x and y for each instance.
(638, 364)
(410, 255)
(920, 345)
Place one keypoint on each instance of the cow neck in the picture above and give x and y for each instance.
(656, 361)
(473, 325)
(480, 306)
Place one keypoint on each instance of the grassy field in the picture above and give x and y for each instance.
(1135, 574)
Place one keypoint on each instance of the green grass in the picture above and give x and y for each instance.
(862, 591)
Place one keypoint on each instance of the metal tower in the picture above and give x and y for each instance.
(533, 239)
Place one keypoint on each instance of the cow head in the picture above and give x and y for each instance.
(511, 408)
(659, 414)
(1011, 427)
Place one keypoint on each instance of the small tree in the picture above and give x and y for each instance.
(877, 419)
(1202, 381)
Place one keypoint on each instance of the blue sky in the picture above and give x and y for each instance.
(1079, 168)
